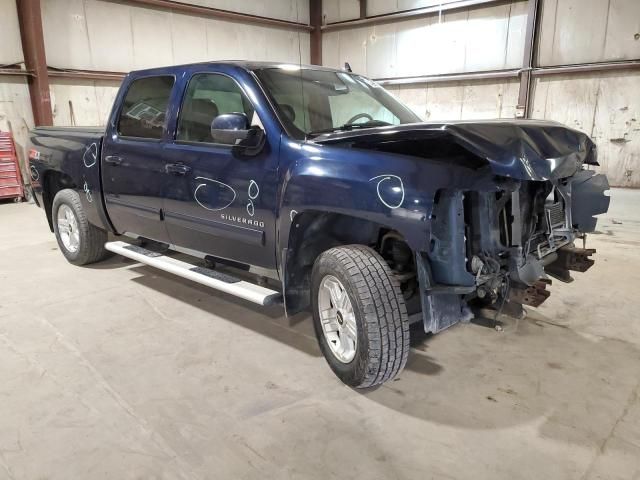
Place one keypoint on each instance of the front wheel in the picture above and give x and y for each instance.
(359, 315)
(80, 242)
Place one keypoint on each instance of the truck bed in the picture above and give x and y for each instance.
(71, 153)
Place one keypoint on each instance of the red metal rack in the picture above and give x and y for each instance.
(10, 178)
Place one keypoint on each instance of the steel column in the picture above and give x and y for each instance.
(530, 42)
(30, 19)
(315, 15)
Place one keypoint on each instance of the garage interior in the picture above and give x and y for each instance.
(118, 370)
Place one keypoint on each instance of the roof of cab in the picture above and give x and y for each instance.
(246, 64)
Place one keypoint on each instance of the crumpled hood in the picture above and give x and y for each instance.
(520, 149)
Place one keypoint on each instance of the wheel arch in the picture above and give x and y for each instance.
(54, 181)
(311, 233)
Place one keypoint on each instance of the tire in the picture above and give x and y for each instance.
(90, 239)
(379, 311)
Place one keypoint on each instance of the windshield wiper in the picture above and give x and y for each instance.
(351, 126)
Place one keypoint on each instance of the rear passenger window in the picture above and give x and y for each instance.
(209, 95)
(145, 107)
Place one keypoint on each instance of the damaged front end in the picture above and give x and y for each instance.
(518, 215)
(499, 247)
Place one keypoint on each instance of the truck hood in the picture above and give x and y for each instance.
(520, 149)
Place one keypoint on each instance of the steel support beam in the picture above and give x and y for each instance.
(315, 15)
(87, 74)
(453, 77)
(18, 72)
(581, 68)
(30, 19)
(530, 42)
(587, 68)
(219, 13)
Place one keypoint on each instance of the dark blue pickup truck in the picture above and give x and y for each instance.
(329, 194)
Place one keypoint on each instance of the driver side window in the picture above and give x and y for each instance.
(208, 96)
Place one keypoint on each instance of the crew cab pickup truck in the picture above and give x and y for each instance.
(317, 189)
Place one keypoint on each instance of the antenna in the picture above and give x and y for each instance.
(347, 67)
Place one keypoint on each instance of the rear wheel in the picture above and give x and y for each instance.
(80, 242)
(360, 317)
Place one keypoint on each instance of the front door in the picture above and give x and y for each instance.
(219, 202)
(133, 170)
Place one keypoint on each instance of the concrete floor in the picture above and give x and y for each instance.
(118, 371)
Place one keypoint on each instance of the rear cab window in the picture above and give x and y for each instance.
(144, 110)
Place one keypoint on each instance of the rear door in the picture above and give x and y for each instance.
(133, 175)
(218, 202)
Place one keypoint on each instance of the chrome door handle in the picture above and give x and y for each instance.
(177, 168)
(113, 160)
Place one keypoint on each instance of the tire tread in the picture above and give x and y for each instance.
(94, 238)
(385, 313)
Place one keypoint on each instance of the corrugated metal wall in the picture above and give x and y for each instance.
(292, 10)
(605, 105)
(479, 99)
(107, 36)
(581, 31)
(488, 38)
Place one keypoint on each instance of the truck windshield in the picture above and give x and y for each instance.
(312, 102)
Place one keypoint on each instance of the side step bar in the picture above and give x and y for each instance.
(204, 276)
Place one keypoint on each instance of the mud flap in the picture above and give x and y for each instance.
(440, 309)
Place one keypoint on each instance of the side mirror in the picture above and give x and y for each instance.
(229, 128)
(234, 129)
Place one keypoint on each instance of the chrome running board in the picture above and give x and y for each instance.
(204, 276)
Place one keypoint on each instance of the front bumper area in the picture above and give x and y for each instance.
(497, 247)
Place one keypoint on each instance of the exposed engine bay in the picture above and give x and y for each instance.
(498, 247)
(499, 233)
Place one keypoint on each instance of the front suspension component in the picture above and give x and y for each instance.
(533, 295)
(569, 258)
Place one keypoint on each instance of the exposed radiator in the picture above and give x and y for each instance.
(555, 214)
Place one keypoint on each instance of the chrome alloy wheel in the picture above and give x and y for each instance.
(338, 319)
(68, 228)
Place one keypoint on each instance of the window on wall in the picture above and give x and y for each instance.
(144, 109)
(209, 95)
